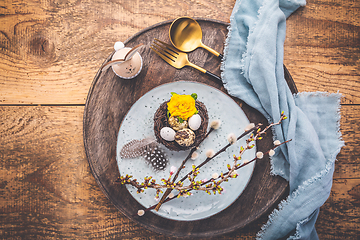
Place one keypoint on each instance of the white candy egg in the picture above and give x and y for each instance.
(167, 134)
(194, 122)
(118, 46)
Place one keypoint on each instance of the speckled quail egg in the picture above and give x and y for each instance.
(185, 137)
(176, 124)
(194, 122)
(167, 134)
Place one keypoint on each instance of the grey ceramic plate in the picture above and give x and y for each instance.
(138, 124)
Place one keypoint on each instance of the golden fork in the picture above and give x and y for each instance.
(176, 58)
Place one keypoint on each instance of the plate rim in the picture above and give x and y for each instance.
(101, 185)
(220, 92)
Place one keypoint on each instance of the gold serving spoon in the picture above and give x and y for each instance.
(186, 35)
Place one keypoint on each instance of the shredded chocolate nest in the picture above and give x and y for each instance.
(161, 120)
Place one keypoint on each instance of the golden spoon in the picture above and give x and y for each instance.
(186, 34)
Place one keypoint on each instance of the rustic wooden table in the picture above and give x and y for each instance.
(50, 53)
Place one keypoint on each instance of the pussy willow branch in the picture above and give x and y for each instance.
(134, 182)
(170, 185)
(168, 191)
(212, 179)
(258, 134)
(222, 150)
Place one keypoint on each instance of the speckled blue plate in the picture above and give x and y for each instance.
(138, 124)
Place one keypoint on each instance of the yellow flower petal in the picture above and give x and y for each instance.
(182, 106)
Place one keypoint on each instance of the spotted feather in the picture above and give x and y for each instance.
(149, 149)
(156, 157)
(135, 148)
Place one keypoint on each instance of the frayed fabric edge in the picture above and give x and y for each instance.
(338, 96)
(226, 47)
(308, 183)
(245, 54)
(319, 93)
(339, 134)
(301, 189)
(277, 172)
(227, 40)
(297, 232)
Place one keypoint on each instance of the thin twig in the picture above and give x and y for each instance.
(222, 150)
(168, 191)
(210, 180)
(169, 185)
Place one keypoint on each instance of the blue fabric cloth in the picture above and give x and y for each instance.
(252, 70)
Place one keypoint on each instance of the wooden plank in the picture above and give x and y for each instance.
(51, 53)
(340, 11)
(47, 189)
(104, 112)
(322, 50)
(339, 217)
(350, 130)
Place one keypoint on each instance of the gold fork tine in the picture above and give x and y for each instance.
(164, 52)
(171, 55)
(171, 48)
(175, 58)
(169, 61)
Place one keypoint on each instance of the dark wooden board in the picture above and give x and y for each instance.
(109, 100)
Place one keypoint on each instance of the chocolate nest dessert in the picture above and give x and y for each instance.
(161, 120)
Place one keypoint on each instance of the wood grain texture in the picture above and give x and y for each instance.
(322, 49)
(47, 189)
(108, 102)
(50, 52)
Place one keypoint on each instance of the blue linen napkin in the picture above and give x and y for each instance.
(252, 70)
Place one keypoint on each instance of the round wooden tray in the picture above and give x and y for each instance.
(109, 100)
